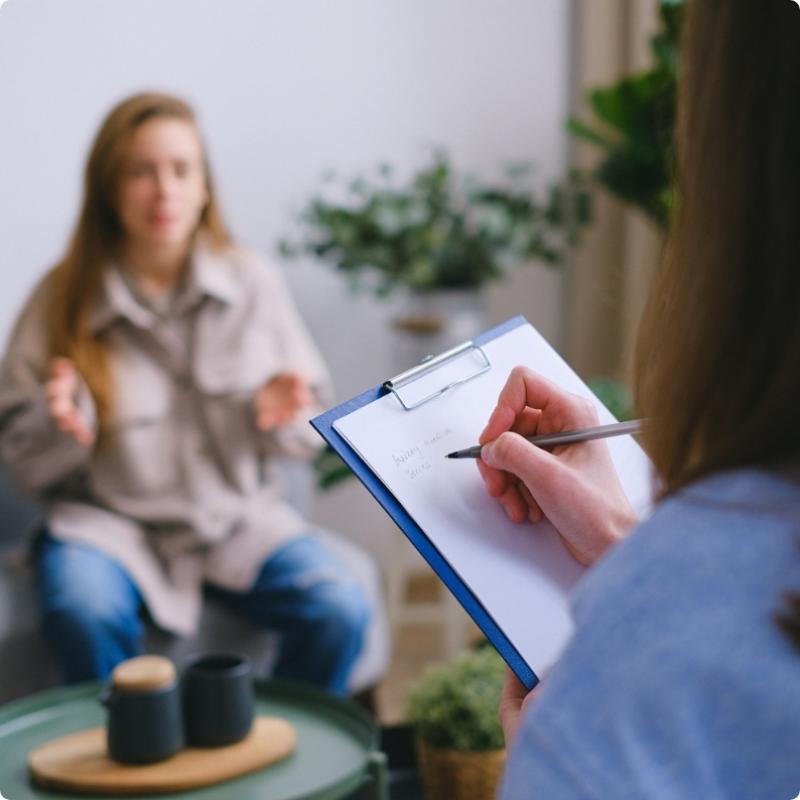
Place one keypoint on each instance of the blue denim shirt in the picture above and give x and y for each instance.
(677, 683)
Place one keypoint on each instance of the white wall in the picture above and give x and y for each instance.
(284, 89)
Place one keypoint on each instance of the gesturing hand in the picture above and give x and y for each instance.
(280, 399)
(60, 391)
(575, 486)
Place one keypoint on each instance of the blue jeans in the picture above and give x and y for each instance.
(91, 611)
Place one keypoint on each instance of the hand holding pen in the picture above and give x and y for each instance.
(575, 488)
(575, 436)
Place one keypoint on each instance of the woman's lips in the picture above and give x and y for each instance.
(163, 220)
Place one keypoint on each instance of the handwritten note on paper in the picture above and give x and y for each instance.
(417, 459)
(521, 574)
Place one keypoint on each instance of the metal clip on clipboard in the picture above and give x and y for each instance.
(428, 365)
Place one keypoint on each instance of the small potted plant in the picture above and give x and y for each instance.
(453, 710)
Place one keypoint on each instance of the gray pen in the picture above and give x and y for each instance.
(565, 437)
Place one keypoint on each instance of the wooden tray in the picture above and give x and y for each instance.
(79, 762)
(337, 744)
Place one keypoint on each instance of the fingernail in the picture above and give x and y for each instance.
(487, 453)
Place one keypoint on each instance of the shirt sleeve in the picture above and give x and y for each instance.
(299, 354)
(541, 768)
(36, 454)
(586, 735)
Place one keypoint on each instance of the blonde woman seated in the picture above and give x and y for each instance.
(149, 380)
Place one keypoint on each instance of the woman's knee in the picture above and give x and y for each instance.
(81, 622)
(344, 609)
(81, 591)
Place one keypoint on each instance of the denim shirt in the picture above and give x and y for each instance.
(179, 487)
(677, 682)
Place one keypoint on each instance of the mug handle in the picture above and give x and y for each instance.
(107, 696)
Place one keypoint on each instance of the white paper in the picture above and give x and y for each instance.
(522, 574)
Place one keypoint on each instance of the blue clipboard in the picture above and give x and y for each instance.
(324, 426)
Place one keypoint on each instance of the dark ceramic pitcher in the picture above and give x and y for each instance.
(145, 720)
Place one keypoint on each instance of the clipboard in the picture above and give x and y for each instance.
(400, 387)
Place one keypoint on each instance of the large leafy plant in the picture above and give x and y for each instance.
(633, 125)
(438, 229)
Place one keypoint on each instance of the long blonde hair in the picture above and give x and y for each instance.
(74, 284)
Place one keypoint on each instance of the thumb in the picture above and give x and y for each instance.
(60, 367)
(537, 468)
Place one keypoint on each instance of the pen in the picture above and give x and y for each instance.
(565, 437)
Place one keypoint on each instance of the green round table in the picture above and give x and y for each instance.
(337, 745)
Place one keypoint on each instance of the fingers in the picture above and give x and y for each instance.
(514, 691)
(512, 453)
(81, 431)
(61, 366)
(280, 400)
(268, 417)
(60, 395)
(495, 480)
(59, 400)
(513, 503)
(534, 511)
(74, 423)
(302, 395)
(288, 390)
(502, 419)
(514, 700)
(62, 382)
(526, 389)
(267, 420)
(511, 493)
(538, 471)
(527, 423)
(522, 477)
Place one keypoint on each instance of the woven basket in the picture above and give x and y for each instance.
(459, 775)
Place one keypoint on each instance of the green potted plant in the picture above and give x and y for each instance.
(453, 709)
(633, 125)
(437, 232)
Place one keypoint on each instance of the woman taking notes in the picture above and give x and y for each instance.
(150, 378)
(683, 676)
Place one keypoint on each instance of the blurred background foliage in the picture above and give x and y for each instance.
(438, 229)
(633, 123)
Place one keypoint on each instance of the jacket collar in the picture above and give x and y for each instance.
(209, 275)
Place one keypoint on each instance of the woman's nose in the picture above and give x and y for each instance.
(165, 182)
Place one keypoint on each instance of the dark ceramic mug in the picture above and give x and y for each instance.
(145, 723)
(218, 700)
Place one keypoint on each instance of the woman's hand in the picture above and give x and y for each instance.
(514, 702)
(575, 486)
(60, 391)
(279, 400)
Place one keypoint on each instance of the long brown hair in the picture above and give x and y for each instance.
(75, 281)
(718, 356)
(719, 349)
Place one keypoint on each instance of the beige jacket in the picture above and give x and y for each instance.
(179, 490)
